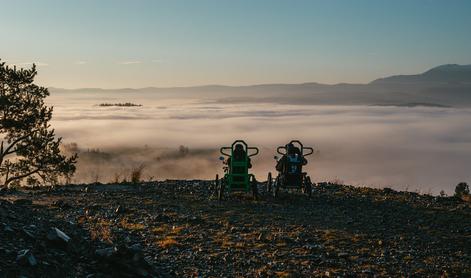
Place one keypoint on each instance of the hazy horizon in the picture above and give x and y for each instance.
(245, 85)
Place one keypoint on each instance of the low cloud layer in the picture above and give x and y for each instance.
(425, 149)
(129, 62)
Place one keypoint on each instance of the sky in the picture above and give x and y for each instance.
(142, 43)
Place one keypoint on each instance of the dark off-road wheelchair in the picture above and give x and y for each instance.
(236, 170)
(290, 169)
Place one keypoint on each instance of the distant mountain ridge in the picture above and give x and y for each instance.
(442, 86)
(451, 73)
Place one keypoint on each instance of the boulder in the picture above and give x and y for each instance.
(26, 258)
(57, 236)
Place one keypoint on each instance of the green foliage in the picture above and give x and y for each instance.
(461, 189)
(28, 148)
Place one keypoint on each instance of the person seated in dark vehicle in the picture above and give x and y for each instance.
(290, 165)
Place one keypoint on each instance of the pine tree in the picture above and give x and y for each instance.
(29, 149)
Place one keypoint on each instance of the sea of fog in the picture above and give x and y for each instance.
(417, 149)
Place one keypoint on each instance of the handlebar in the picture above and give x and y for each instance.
(247, 149)
(280, 148)
(221, 150)
(309, 149)
(252, 148)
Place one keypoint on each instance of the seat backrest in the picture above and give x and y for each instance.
(294, 164)
(239, 162)
(239, 155)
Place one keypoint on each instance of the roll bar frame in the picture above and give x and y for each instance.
(309, 149)
(247, 148)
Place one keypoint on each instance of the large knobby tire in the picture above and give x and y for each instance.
(276, 187)
(221, 189)
(269, 182)
(303, 185)
(254, 185)
(308, 186)
(214, 188)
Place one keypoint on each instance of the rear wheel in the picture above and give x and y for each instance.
(276, 187)
(269, 182)
(221, 189)
(215, 186)
(254, 185)
(308, 186)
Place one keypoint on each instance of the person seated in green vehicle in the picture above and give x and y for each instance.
(239, 154)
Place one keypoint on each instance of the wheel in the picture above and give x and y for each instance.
(214, 189)
(303, 185)
(308, 186)
(254, 185)
(276, 187)
(269, 182)
(221, 189)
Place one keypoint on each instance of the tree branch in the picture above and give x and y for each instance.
(21, 176)
(8, 149)
(1, 153)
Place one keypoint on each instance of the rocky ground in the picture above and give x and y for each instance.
(177, 228)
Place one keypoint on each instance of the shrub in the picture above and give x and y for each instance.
(136, 173)
(461, 189)
(442, 193)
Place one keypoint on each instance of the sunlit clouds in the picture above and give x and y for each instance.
(129, 62)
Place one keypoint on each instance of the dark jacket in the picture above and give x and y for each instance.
(291, 164)
(239, 155)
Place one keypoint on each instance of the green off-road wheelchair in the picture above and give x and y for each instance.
(289, 167)
(236, 170)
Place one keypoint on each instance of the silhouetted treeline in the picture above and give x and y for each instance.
(126, 104)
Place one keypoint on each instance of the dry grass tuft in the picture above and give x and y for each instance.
(168, 230)
(102, 231)
(125, 224)
(160, 230)
(148, 202)
(177, 230)
(285, 274)
(168, 242)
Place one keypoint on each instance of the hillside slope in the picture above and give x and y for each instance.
(175, 228)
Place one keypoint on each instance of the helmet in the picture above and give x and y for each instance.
(290, 149)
